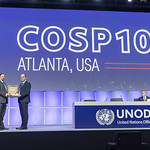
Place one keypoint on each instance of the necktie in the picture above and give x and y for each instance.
(21, 85)
(5, 85)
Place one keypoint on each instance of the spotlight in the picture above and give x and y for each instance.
(129, 0)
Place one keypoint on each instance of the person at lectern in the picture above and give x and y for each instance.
(3, 100)
(23, 100)
(143, 97)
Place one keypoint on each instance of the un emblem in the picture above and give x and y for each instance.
(105, 116)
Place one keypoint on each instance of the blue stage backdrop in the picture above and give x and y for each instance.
(75, 49)
(46, 108)
(56, 107)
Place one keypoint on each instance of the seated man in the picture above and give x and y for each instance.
(143, 97)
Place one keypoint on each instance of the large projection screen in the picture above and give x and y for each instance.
(75, 49)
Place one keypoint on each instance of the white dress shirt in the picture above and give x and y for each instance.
(144, 98)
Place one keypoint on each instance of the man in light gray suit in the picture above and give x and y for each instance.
(3, 100)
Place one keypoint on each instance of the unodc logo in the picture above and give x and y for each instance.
(105, 116)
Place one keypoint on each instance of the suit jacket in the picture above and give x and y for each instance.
(3, 91)
(141, 98)
(25, 92)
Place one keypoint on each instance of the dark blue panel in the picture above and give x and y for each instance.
(115, 116)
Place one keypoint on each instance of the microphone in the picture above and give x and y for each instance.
(106, 100)
(94, 98)
(81, 99)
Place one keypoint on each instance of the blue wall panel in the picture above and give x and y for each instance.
(103, 96)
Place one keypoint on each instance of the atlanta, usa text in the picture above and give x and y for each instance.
(58, 64)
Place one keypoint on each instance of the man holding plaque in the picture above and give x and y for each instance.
(13, 90)
(23, 100)
(3, 100)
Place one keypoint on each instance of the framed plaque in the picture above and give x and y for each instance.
(12, 89)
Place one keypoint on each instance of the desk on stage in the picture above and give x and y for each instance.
(112, 115)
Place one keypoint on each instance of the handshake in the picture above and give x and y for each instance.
(13, 95)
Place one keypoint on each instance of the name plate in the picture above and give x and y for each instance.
(12, 89)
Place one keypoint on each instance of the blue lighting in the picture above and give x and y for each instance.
(67, 116)
(37, 99)
(36, 116)
(69, 97)
(121, 94)
(53, 116)
(134, 95)
(53, 98)
(103, 96)
(87, 95)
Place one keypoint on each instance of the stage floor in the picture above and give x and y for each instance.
(63, 137)
(62, 128)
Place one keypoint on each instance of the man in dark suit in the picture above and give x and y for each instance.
(23, 100)
(143, 97)
(3, 100)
